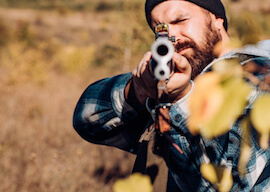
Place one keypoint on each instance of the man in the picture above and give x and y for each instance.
(113, 111)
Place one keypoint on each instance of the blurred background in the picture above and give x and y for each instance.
(50, 51)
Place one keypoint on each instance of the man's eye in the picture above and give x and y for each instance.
(178, 21)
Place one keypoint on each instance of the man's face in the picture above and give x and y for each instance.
(194, 30)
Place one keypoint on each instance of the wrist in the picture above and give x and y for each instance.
(131, 98)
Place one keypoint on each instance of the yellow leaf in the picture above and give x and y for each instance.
(245, 150)
(226, 180)
(235, 93)
(260, 118)
(218, 99)
(230, 67)
(219, 176)
(209, 173)
(227, 46)
(244, 158)
(204, 104)
(135, 183)
(264, 141)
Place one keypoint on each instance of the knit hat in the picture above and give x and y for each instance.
(214, 6)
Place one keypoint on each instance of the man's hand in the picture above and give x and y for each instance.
(144, 84)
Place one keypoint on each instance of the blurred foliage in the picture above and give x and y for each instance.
(120, 41)
(213, 111)
(250, 27)
(260, 119)
(227, 102)
(219, 176)
(83, 5)
(4, 33)
(124, 26)
(244, 23)
(117, 43)
(137, 182)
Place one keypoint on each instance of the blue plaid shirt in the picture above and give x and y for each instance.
(103, 116)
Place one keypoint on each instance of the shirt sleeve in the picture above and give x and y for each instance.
(103, 116)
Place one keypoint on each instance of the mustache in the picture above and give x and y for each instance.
(179, 46)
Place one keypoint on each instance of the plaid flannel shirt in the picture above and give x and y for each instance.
(103, 116)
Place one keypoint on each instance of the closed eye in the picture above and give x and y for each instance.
(178, 21)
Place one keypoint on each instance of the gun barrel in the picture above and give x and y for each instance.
(162, 52)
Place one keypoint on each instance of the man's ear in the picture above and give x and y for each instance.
(218, 22)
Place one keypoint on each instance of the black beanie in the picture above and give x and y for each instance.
(214, 6)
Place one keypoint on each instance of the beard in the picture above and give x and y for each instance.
(202, 55)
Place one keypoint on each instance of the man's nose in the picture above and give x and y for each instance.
(175, 31)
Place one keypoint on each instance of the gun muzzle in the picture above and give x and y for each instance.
(162, 53)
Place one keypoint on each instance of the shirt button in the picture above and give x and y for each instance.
(177, 118)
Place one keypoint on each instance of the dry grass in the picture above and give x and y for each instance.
(43, 72)
(47, 58)
(40, 151)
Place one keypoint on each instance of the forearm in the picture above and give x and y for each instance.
(103, 115)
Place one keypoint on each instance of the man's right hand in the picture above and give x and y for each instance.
(144, 84)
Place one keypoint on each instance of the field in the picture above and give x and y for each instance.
(50, 51)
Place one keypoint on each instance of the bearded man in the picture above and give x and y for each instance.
(115, 111)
